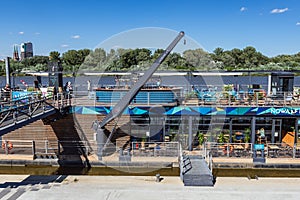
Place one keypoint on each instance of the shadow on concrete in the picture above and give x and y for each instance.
(34, 182)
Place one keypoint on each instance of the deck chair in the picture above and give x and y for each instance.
(289, 139)
(288, 143)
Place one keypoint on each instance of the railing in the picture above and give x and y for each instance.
(245, 99)
(76, 147)
(143, 97)
(22, 147)
(46, 148)
(229, 149)
(24, 108)
(245, 150)
(217, 98)
(155, 149)
(20, 111)
(52, 149)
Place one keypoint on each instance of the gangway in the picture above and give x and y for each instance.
(21, 112)
(194, 171)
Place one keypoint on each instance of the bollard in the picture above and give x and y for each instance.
(157, 178)
(120, 152)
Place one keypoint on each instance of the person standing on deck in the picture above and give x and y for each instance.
(262, 133)
(6, 92)
(89, 86)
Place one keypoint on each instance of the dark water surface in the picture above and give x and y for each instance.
(56, 170)
(172, 171)
(97, 81)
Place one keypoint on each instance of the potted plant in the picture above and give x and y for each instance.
(247, 137)
(144, 139)
(201, 139)
(222, 138)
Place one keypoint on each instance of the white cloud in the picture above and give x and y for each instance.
(21, 32)
(243, 9)
(277, 10)
(37, 33)
(298, 23)
(75, 36)
(64, 45)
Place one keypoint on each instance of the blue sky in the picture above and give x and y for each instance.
(271, 26)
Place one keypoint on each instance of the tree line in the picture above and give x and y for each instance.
(140, 59)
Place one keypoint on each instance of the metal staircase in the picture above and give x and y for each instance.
(195, 171)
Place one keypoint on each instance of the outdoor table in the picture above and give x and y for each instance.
(274, 149)
(238, 149)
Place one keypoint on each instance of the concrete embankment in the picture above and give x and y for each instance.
(239, 167)
(222, 167)
(14, 164)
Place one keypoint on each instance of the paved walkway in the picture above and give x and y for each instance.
(250, 160)
(140, 187)
(166, 159)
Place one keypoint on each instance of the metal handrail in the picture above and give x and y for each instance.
(274, 150)
(25, 108)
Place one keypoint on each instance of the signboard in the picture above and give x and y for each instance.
(21, 95)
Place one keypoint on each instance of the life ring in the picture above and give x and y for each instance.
(9, 145)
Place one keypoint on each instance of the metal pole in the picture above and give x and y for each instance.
(253, 124)
(6, 146)
(230, 130)
(46, 146)
(58, 148)
(190, 133)
(128, 97)
(33, 148)
(7, 71)
(164, 129)
(273, 131)
(280, 130)
(269, 85)
(296, 131)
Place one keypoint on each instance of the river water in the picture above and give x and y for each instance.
(203, 81)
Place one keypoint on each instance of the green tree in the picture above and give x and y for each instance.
(198, 59)
(217, 54)
(228, 61)
(71, 58)
(54, 56)
(135, 57)
(96, 60)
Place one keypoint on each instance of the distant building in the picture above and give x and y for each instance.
(16, 53)
(26, 50)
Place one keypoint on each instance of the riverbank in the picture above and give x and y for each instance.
(143, 187)
(222, 167)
